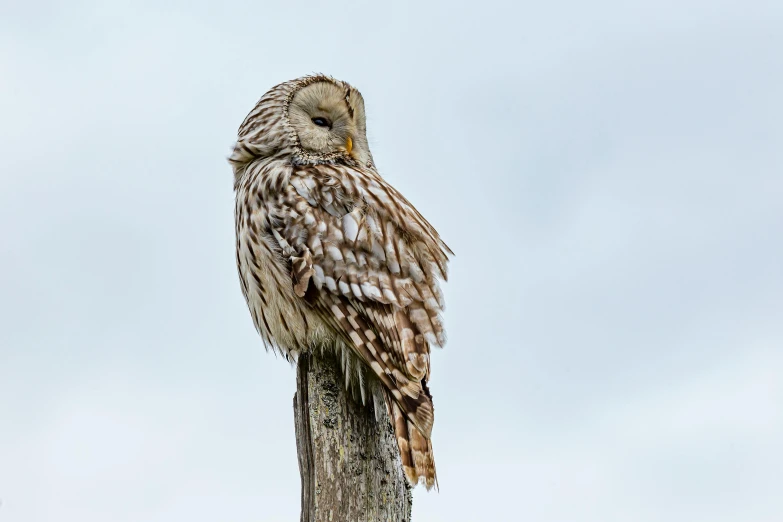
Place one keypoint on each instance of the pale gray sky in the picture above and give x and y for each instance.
(608, 173)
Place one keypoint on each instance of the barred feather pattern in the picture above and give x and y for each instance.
(330, 255)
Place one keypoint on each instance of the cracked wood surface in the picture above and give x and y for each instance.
(349, 462)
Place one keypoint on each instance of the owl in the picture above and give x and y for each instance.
(332, 257)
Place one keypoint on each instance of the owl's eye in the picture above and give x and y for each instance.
(322, 122)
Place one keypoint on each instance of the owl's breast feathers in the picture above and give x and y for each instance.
(368, 261)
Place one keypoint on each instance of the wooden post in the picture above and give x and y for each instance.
(349, 462)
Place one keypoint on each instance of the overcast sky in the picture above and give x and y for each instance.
(609, 174)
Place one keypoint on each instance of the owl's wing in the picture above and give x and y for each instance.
(363, 255)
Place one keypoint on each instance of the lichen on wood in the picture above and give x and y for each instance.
(348, 456)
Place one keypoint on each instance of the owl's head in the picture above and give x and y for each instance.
(310, 120)
(328, 119)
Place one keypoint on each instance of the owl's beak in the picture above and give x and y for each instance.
(348, 144)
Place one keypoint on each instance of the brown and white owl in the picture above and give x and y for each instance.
(332, 256)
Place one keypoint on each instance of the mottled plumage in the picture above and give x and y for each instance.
(332, 256)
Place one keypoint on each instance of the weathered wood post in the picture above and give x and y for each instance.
(349, 462)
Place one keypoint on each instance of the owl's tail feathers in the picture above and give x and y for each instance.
(418, 461)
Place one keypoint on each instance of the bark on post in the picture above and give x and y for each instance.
(349, 462)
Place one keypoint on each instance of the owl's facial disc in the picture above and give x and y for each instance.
(327, 122)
